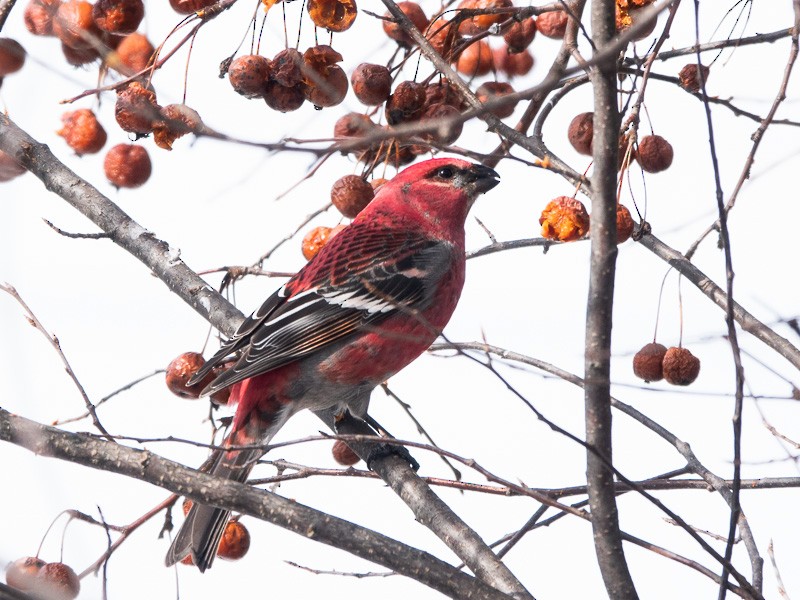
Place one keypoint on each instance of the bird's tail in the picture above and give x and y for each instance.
(201, 532)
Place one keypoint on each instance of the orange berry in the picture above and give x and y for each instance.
(333, 15)
(181, 370)
(134, 53)
(127, 165)
(654, 154)
(581, 132)
(475, 60)
(118, 16)
(235, 541)
(12, 56)
(282, 98)
(624, 224)
(82, 131)
(372, 84)
(680, 366)
(480, 23)
(450, 127)
(286, 67)
(343, 454)
(79, 57)
(690, 76)
(324, 82)
(176, 121)
(553, 24)
(249, 74)
(73, 24)
(351, 194)
(564, 219)
(415, 14)
(39, 15)
(57, 581)
(443, 36)
(513, 65)
(136, 109)
(353, 125)
(492, 90)
(406, 103)
(520, 35)
(647, 362)
(315, 239)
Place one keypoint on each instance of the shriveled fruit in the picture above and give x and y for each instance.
(39, 16)
(127, 165)
(372, 84)
(333, 15)
(12, 56)
(494, 90)
(443, 92)
(480, 23)
(78, 57)
(513, 65)
(343, 454)
(628, 17)
(235, 541)
(353, 125)
(475, 60)
(315, 239)
(581, 132)
(9, 168)
(136, 109)
(449, 126)
(406, 103)
(248, 75)
(625, 224)
(414, 13)
(118, 16)
(21, 574)
(82, 131)
(648, 362)
(181, 370)
(73, 24)
(443, 35)
(690, 76)
(324, 81)
(133, 53)
(680, 366)
(520, 35)
(564, 219)
(553, 24)
(286, 68)
(176, 121)
(282, 98)
(351, 194)
(654, 154)
(187, 7)
(57, 581)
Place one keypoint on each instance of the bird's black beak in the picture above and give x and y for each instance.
(477, 179)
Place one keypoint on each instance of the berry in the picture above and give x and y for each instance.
(624, 224)
(12, 56)
(690, 77)
(315, 239)
(187, 7)
(286, 67)
(353, 125)
(284, 99)
(9, 168)
(136, 109)
(127, 165)
(553, 24)
(654, 154)
(415, 14)
(176, 121)
(73, 24)
(57, 581)
(79, 57)
(564, 219)
(39, 15)
(181, 370)
(647, 362)
(343, 454)
(82, 131)
(118, 16)
(406, 103)
(235, 541)
(333, 15)
(249, 74)
(520, 35)
(443, 93)
(680, 366)
(491, 90)
(580, 133)
(480, 23)
(350, 194)
(133, 54)
(372, 84)
(475, 60)
(627, 17)
(443, 36)
(324, 82)
(513, 65)
(450, 126)
(21, 574)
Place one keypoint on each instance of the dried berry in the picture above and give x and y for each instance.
(9, 168)
(372, 84)
(118, 16)
(480, 23)
(414, 13)
(176, 121)
(324, 82)
(73, 24)
(181, 370)
(475, 60)
(187, 7)
(680, 366)
(343, 454)
(136, 109)
(449, 125)
(493, 90)
(57, 581)
(564, 219)
(333, 15)
(406, 103)
(133, 54)
(654, 154)
(248, 75)
(513, 65)
(351, 194)
(690, 77)
(628, 17)
(580, 133)
(443, 36)
(647, 362)
(21, 574)
(315, 239)
(624, 224)
(284, 99)
(78, 57)
(286, 68)
(353, 125)
(235, 541)
(127, 165)
(443, 93)
(12, 56)
(82, 131)
(39, 15)
(221, 397)
(553, 24)
(520, 35)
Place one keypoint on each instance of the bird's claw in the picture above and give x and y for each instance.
(385, 449)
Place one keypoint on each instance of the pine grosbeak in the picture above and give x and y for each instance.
(373, 299)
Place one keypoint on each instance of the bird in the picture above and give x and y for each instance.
(370, 302)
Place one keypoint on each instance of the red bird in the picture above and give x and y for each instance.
(373, 299)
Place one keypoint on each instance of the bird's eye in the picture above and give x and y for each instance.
(446, 173)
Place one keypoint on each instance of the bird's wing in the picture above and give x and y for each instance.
(356, 281)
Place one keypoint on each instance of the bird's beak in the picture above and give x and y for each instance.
(477, 179)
